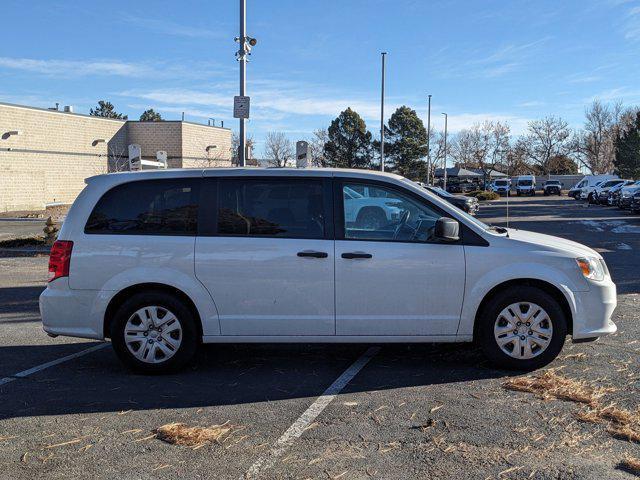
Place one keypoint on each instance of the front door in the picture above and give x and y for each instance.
(269, 260)
(392, 276)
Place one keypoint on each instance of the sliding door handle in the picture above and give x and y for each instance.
(351, 255)
(313, 254)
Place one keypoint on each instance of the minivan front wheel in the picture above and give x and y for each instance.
(522, 328)
(154, 333)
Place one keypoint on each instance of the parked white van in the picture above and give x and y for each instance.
(526, 185)
(161, 261)
(589, 183)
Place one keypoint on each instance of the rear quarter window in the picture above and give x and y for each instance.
(147, 207)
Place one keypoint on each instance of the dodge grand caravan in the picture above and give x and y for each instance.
(161, 261)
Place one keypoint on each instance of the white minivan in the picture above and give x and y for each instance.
(162, 261)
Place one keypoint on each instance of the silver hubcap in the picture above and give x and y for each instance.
(523, 330)
(153, 334)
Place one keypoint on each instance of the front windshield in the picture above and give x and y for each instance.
(553, 182)
(610, 183)
(525, 183)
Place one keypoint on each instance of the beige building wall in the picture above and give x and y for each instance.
(56, 151)
(195, 140)
(52, 154)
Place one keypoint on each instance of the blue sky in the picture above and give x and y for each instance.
(509, 60)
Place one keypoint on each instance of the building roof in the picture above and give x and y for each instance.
(457, 172)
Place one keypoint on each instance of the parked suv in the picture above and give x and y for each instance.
(161, 261)
(613, 196)
(467, 204)
(626, 195)
(601, 192)
(552, 187)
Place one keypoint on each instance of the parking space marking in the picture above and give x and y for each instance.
(38, 368)
(309, 415)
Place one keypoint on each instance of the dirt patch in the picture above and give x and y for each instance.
(23, 242)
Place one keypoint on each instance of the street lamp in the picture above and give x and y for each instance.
(384, 55)
(446, 118)
(428, 140)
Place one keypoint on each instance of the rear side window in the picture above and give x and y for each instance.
(271, 208)
(148, 207)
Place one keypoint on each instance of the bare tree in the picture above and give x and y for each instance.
(316, 147)
(596, 144)
(278, 149)
(235, 146)
(483, 146)
(548, 138)
(516, 162)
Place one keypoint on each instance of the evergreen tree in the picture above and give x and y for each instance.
(406, 144)
(349, 142)
(150, 116)
(627, 160)
(107, 110)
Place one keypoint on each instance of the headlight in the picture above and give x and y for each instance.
(591, 268)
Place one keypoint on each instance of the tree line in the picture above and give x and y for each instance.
(608, 142)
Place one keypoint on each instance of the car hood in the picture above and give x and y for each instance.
(551, 243)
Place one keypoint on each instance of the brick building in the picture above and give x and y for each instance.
(45, 155)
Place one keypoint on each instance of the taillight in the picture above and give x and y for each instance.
(59, 259)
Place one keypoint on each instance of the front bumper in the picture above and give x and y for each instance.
(593, 311)
(625, 202)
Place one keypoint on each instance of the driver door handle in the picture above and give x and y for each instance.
(351, 255)
(313, 254)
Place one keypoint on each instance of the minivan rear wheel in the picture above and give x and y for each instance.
(522, 328)
(154, 333)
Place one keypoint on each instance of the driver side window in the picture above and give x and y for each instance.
(373, 212)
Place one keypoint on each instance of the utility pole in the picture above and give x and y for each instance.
(242, 58)
(384, 54)
(428, 140)
(446, 118)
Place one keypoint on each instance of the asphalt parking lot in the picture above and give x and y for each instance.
(420, 411)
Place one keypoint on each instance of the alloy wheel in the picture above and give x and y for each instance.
(153, 334)
(523, 330)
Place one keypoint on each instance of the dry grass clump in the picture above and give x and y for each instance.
(625, 432)
(609, 414)
(195, 437)
(630, 464)
(549, 385)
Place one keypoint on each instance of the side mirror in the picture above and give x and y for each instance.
(447, 229)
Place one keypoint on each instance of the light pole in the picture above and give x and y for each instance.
(446, 118)
(245, 43)
(384, 54)
(428, 140)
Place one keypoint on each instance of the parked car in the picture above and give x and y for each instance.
(526, 185)
(162, 261)
(589, 184)
(461, 187)
(601, 192)
(501, 186)
(635, 203)
(467, 204)
(606, 197)
(552, 187)
(614, 192)
(626, 195)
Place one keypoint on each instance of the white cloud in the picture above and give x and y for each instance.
(168, 27)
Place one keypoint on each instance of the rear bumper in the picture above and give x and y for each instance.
(70, 312)
(594, 308)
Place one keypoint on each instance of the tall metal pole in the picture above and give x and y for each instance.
(384, 54)
(446, 118)
(243, 79)
(428, 140)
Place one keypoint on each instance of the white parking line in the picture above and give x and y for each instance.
(38, 368)
(309, 415)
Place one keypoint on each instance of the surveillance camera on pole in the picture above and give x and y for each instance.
(241, 102)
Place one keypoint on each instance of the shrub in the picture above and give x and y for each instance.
(483, 195)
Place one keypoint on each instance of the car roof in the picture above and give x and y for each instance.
(123, 177)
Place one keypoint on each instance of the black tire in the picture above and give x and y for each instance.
(190, 332)
(485, 330)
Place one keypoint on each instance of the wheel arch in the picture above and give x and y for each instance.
(543, 285)
(120, 297)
